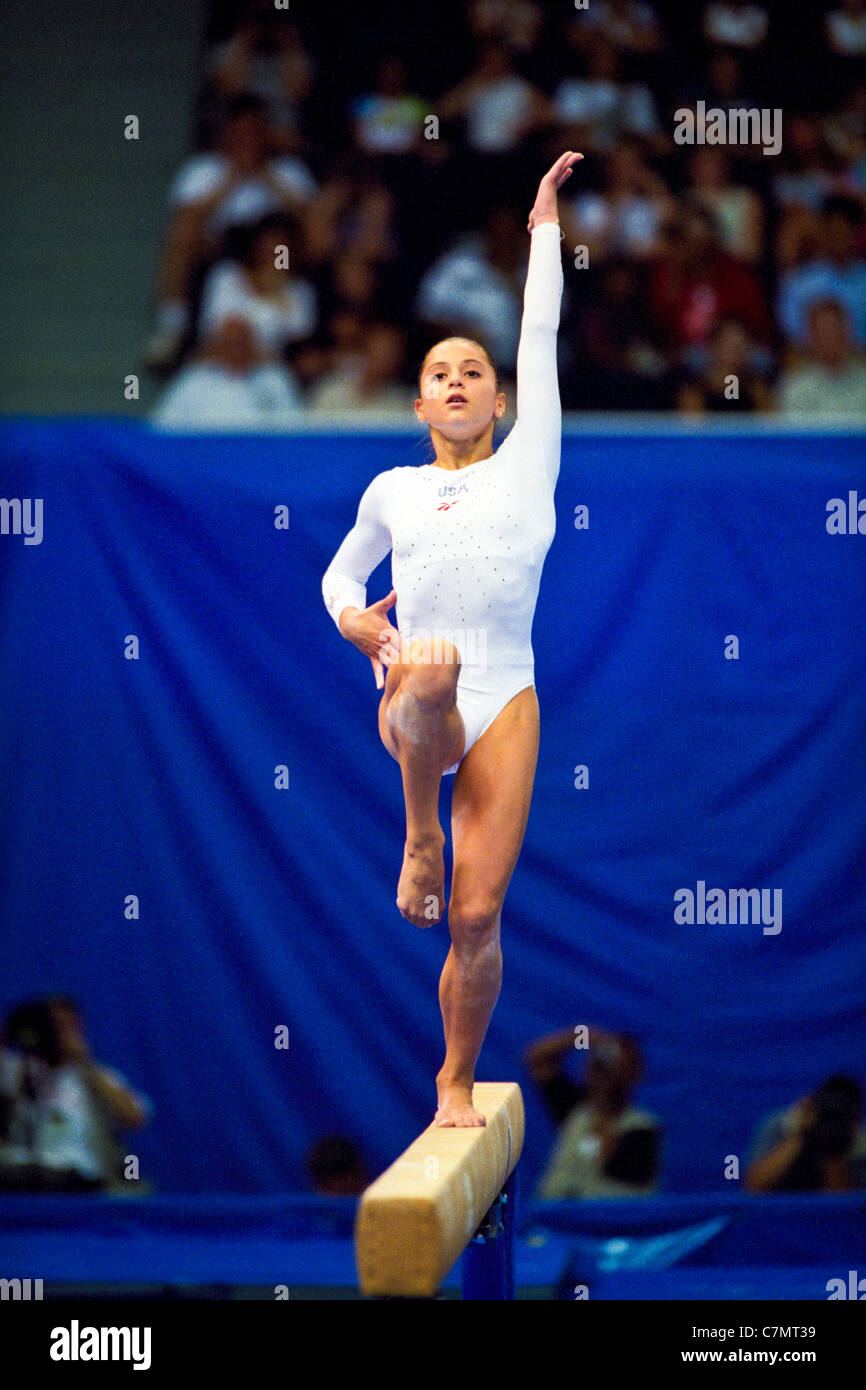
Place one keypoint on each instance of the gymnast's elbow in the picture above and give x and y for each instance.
(538, 339)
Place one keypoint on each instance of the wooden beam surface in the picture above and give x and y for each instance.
(414, 1221)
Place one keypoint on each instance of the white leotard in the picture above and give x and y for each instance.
(468, 544)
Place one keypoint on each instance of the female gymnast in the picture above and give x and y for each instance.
(467, 553)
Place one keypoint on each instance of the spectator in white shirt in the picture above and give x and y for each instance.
(736, 23)
(476, 287)
(390, 119)
(266, 56)
(369, 383)
(624, 220)
(597, 110)
(833, 380)
(516, 23)
(498, 106)
(211, 193)
(61, 1111)
(232, 385)
(630, 25)
(845, 28)
(737, 210)
(259, 287)
(836, 271)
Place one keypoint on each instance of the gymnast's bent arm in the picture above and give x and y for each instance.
(344, 582)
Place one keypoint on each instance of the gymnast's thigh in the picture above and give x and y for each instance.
(395, 677)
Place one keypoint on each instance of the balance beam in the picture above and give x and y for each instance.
(417, 1217)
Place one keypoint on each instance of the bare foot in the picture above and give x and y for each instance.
(421, 890)
(456, 1109)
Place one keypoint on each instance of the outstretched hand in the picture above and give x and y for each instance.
(545, 209)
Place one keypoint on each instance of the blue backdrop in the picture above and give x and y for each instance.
(263, 905)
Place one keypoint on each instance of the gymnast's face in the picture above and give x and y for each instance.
(458, 389)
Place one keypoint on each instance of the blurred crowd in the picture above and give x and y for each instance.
(64, 1118)
(358, 190)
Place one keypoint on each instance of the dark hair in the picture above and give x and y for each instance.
(837, 1103)
(842, 1089)
(31, 1028)
(828, 305)
(244, 103)
(240, 241)
(477, 343)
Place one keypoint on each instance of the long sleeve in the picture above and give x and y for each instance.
(368, 542)
(539, 412)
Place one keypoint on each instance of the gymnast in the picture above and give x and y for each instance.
(466, 560)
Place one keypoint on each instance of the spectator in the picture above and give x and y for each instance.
(351, 295)
(723, 89)
(845, 132)
(211, 193)
(630, 25)
(280, 307)
(476, 287)
(266, 57)
(354, 284)
(736, 23)
(816, 1145)
(694, 283)
(728, 383)
(833, 382)
(499, 107)
(232, 384)
(60, 1110)
(800, 185)
(597, 110)
(389, 120)
(725, 80)
(626, 219)
(606, 1147)
(845, 29)
(516, 23)
(336, 1167)
(837, 273)
(370, 383)
(369, 224)
(804, 175)
(618, 364)
(340, 345)
(352, 214)
(735, 209)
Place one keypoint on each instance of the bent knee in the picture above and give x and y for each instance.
(474, 923)
(432, 669)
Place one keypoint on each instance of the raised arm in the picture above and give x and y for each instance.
(539, 412)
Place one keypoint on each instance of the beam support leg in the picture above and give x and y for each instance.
(487, 1266)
